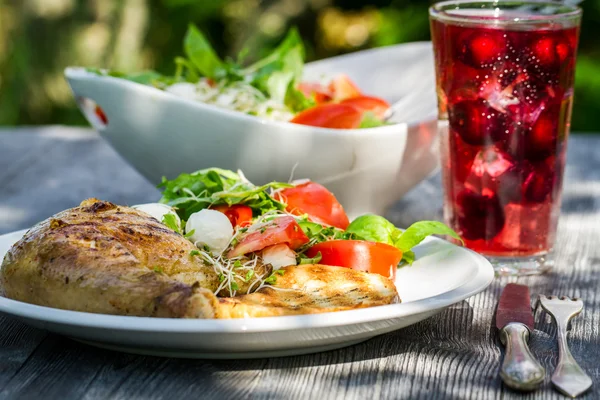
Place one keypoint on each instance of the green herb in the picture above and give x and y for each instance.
(221, 278)
(249, 275)
(237, 264)
(280, 272)
(272, 279)
(375, 228)
(318, 233)
(206, 248)
(263, 229)
(418, 231)
(370, 120)
(190, 233)
(308, 260)
(201, 53)
(158, 270)
(170, 220)
(234, 286)
(193, 192)
(194, 253)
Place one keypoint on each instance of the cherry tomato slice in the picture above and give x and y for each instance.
(316, 91)
(360, 255)
(101, 115)
(315, 200)
(336, 116)
(238, 214)
(343, 88)
(280, 230)
(368, 103)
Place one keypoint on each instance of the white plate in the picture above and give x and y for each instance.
(444, 274)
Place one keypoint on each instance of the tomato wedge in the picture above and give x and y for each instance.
(280, 230)
(100, 114)
(360, 255)
(315, 200)
(376, 105)
(238, 214)
(316, 91)
(343, 88)
(336, 116)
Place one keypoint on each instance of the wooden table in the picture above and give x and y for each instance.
(455, 354)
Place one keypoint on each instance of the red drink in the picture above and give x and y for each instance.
(505, 91)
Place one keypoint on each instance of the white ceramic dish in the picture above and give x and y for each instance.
(443, 274)
(368, 169)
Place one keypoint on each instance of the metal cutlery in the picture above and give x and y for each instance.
(514, 318)
(568, 377)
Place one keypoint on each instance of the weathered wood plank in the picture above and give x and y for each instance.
(455, 354)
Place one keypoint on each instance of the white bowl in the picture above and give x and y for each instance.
(161, 134)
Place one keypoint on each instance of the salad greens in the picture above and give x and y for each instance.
(190, 193)
(375, 228)
(274, 77)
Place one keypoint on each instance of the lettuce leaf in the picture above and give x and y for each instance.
(190, 193)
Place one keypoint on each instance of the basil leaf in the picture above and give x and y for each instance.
(374, 228)
(201, 53)
(418, 231)
(408, 257)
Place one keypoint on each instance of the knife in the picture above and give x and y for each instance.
(514, 318)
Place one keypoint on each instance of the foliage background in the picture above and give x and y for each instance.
(39, 38)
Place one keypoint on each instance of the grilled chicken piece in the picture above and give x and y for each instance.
(109, 259)
(311, 289)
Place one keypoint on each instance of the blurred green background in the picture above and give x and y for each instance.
(39, 38)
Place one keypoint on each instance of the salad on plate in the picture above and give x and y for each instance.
(234, 223)
(271, 88)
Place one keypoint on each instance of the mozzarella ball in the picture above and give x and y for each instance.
(183, 89)
(211, 228)
(279, 255)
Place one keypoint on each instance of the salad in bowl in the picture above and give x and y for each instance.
(271, 88)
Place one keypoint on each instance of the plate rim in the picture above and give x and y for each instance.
(476, 284)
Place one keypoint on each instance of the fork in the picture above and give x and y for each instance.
(568, 377)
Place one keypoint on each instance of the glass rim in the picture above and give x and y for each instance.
(439, 11)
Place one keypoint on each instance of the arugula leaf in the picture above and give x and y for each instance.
(374, 228)
(170, 220)
(201, 53)
(193, 192)
(277, 74)
(418, 231)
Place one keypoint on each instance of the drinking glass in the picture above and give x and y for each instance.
(505, 73)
